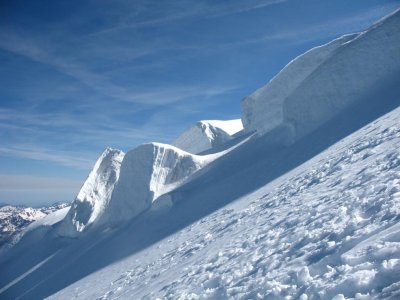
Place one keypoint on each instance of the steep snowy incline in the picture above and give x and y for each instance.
(95, 194)
(329, 228)
(326, 80)
(207, 134)
(147, 172)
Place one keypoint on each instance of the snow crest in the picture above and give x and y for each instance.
(324, 81)
(95, 194)
(205, 135)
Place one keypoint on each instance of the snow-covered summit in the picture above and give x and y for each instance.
(326, 80)
(207, 134)
(95, 194)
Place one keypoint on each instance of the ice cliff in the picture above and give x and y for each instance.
(323, 82)
(147, 172)
(95, 194)
(120, 187)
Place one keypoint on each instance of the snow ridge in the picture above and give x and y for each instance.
(122, 186)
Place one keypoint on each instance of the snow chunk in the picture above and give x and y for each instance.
(95, 194)
(207, 134)
(324, 81)
(303, 276)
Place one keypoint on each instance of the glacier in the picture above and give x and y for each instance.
(304, 203)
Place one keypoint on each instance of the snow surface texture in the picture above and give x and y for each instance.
(324, 81)
(205, 135)
(95, 194)
(329, 228)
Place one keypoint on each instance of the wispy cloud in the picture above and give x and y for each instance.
(176, 94)
(31, 49)
(40, 153)
(188, 9)
(312, 32)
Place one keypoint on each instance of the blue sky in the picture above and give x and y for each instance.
(77, 76)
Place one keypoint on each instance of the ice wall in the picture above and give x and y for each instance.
(147, 172)
(324, 81)
(95, 194)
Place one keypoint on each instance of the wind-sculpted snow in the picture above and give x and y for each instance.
(120, 187)
(329, 228)
(147, 172)
(316, 219)
(205, 135)
(326, 80)
(95, 194)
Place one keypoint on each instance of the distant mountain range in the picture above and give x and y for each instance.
(14, 219)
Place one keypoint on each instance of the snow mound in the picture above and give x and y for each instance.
(95, 194)
(147, 172)
(205, 135)
(324, 81)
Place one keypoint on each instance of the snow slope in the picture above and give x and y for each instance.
(95, 194)
(207, 134)
(326, 80)
(327, 228)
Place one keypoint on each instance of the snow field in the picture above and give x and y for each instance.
(328, 229)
